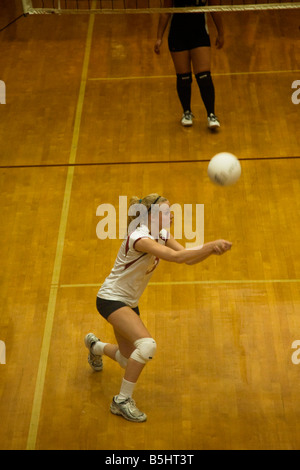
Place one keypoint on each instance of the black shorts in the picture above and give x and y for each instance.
(188, 31)
(106, 307)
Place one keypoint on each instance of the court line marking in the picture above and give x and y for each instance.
(141, 162)
(224, 74)
(183, 283)
(40, 381)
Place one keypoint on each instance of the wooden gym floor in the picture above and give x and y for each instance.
(92, 114)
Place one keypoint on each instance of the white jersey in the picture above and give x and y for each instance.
(132, 269)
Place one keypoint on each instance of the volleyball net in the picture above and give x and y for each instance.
(69, 7)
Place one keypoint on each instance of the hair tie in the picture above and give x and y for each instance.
(153, 203)
(140, 200)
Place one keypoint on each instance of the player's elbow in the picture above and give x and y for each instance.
(178, 257)
(190, 262)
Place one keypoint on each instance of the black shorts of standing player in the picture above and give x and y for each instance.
(188, 31)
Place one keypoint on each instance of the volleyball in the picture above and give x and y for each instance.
(224, 169)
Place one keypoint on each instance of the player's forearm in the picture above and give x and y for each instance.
(193, 256)
(162, 24)
(217, 19)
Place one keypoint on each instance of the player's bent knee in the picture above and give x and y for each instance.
(145, 350)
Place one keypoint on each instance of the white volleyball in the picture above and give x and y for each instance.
(224, 169)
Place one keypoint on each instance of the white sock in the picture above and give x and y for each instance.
(126, 391)
(98, 348)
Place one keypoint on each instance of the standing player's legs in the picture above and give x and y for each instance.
(201, 59)
(182, 64)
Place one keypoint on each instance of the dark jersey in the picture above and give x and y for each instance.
(188, 30)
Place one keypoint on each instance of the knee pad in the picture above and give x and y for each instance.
(145, 350)
(203, 76)
(121, 359)
(184, 79)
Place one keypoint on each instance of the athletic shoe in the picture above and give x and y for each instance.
(187, 119)
(128, 410)
(213, 122)
(94, 361)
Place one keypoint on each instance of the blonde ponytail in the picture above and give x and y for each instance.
(147, 201)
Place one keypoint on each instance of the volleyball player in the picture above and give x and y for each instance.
(118, 297)
(189, 45)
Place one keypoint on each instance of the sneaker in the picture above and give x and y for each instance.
(128, 410)
(187, 119)
(94, 361)
(213, 121)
